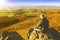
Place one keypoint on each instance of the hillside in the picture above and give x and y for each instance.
(21, 22)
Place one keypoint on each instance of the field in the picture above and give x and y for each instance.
(24, 19)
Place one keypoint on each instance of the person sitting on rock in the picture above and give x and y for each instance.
(43, 23)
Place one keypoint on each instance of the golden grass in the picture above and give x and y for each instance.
(22, 27)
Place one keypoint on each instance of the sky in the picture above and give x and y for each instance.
(28, 2)
(34, 2)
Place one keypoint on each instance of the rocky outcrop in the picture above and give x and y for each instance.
(50, 34)
(11, 36)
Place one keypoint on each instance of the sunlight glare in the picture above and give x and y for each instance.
(3, 3)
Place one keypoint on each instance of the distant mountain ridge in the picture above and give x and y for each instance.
(14, 7)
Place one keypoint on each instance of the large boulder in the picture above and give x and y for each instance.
(11, 36)
(50, 34)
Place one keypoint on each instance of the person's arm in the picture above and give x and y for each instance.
(38, 23)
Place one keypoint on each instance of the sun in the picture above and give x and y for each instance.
(3, 3)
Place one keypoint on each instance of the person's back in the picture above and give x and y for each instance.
(44, 22)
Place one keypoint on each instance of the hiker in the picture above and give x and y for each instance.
(43, 23)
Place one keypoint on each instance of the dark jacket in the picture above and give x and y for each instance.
(44, 23)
